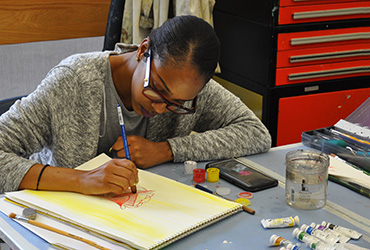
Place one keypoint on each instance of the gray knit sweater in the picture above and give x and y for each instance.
(59, 123)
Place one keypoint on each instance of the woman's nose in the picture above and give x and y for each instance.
(160, 107)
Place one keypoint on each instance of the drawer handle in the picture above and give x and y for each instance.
(331, 55)
(326, 73)
(330, 13)
(331, 38)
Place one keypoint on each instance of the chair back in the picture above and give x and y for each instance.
(6, 103)
(114, 24)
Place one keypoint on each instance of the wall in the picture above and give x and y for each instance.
(35, 35)
(43, 20)
(23, 66)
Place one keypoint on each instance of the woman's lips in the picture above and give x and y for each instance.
(146, 113)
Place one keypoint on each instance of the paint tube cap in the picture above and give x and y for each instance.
(273, 239)
(213, 174)
(199, 175)
(189, 167)
(243, 201)
(296, 219)
(247, 195)
(223, 191)
(303, 227)
(296, 232)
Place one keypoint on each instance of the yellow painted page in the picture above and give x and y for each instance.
(161, 211)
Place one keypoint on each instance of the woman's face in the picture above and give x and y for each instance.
(175, 84)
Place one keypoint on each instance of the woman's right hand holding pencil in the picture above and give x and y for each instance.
(115, 176)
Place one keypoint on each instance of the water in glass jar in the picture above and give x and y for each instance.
(306, 179)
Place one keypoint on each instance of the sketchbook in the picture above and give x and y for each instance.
(161, 212)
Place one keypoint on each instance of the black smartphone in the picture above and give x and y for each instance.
(242, 175)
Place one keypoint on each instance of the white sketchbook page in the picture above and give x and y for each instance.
(162, 208)
(346, 172)
(95, 162)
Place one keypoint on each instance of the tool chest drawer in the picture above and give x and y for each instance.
(322, 55)
(283, 3)
(324, 12)
(329, 54)
(323, 38)
(322, 72)
(317, 110)
(288, 51)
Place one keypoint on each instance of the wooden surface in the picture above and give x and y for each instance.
(42, 20)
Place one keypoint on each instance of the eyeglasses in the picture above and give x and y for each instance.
(152, 94)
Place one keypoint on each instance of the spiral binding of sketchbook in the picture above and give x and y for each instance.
(150, 219)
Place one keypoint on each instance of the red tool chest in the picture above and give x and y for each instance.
(309, 59)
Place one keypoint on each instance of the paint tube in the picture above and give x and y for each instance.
(280, 222)
(324, 236)
(321, 245)
(293, 247)
(279, 241)
(311, 241)
(349, 246)
(346, 231)
(304, 237)
(342, 238)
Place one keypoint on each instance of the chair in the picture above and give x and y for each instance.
(6, 103)
(114, 24)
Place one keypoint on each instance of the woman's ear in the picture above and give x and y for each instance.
(143, 48)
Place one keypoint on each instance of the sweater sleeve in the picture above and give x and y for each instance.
(26, 129)
(225, 128)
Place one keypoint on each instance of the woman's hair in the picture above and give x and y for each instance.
(186, 39)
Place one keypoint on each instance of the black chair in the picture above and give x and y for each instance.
(114, 24)
(6, 103)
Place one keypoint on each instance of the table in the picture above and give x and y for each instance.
(242, 230)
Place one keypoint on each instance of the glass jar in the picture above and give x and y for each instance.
(306, 178)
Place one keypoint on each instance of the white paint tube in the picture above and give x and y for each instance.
(280, 241)
(304, 237)
(292, 247)
(324, 236)
(280, 222)
(342, 238)
(343, 230)
(320, 246)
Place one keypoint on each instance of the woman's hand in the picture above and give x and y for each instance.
(144, 153)
(115, 176)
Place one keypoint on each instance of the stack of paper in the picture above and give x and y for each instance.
(347, 173)
(161, 212)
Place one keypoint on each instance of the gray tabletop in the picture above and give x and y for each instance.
(242, 230)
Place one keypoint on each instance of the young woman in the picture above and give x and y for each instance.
(165, 88)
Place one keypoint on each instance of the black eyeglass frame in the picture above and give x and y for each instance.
(173, 107)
